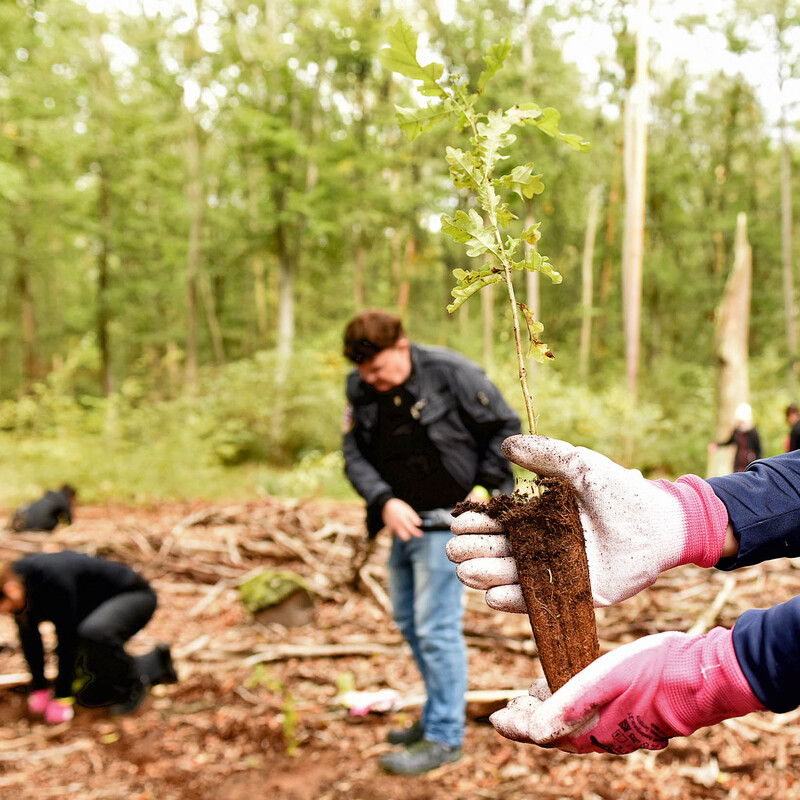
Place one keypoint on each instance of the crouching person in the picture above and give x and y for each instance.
(96, 606)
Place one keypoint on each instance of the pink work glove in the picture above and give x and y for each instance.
(636, 697)
(59, 709)
(38, 700)
(635, 528)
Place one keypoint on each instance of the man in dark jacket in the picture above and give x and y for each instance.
(46, 513)
(422, 431)
(96, 606)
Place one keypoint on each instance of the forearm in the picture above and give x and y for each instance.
(763, 505)
(767, 646)
(33, 650)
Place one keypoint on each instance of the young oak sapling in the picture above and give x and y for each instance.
(543, 524)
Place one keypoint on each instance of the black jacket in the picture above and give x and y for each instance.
(64, 588)
(44, 514)
(464, 416)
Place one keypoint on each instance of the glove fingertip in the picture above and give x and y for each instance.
(475, 522)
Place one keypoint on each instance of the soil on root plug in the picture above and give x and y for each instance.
(549, 549)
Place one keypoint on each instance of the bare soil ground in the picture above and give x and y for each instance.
(255, 713)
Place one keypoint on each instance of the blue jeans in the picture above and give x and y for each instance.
(426, 601)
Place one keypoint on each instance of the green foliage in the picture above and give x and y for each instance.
(474, 172)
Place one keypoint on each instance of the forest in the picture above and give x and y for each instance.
(196, 197)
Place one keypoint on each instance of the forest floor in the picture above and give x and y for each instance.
(256, 715)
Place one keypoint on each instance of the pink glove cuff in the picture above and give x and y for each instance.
(705, 520)
(717, 683)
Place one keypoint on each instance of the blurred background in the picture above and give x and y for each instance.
(196, 196)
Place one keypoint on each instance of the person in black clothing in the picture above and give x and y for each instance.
(46, 513)
(793, 418)
(745, 437)
(96, 606)
(422, 431)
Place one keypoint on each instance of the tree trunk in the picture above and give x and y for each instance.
(786, 256)
(635, 183)
(257, 264)
(30, 362)
(194, 199)
(587, 280)
(214, 327)
(103, 339)
(733, 327)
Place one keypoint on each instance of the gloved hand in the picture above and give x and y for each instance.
(38, 700)
(635, 528)
(59, 709)
(635, 697)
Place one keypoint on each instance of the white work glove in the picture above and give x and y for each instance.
(635, 528)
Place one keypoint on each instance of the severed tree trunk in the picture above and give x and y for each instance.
(733, 327)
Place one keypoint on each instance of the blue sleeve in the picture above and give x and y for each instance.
(767, 645)
(763, 504)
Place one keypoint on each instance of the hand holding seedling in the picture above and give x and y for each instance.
(635, 529)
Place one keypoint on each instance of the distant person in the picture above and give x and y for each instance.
(46, 513)
(422, 431)
(793, 418)
(744, 436)
(96, 606)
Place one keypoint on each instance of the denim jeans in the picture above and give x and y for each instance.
(426, 601)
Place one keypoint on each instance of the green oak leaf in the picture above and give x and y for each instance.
(536, 262)
(531, 235)
(469, 283)
(548, 123)
(464, 169)
(522, 181)
(493, 136)
(536, 347)
(401, 56)
(414, 121)
(470, 230)
(494, 60)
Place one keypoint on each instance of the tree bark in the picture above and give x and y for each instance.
(194, 199)
(733, 327)
(587, 281)
(635, 187)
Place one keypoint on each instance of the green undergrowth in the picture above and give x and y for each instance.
(246, 433)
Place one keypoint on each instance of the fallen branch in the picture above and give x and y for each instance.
(280, 652)
(709, 616)
(49, 753)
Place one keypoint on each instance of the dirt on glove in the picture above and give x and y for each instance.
(549, 549)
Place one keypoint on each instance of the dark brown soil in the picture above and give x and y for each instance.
(549, 548)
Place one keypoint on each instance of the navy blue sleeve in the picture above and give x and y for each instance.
(763, 504)
(767, 645)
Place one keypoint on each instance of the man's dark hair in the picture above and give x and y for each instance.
(369, 333)
(792, 408)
